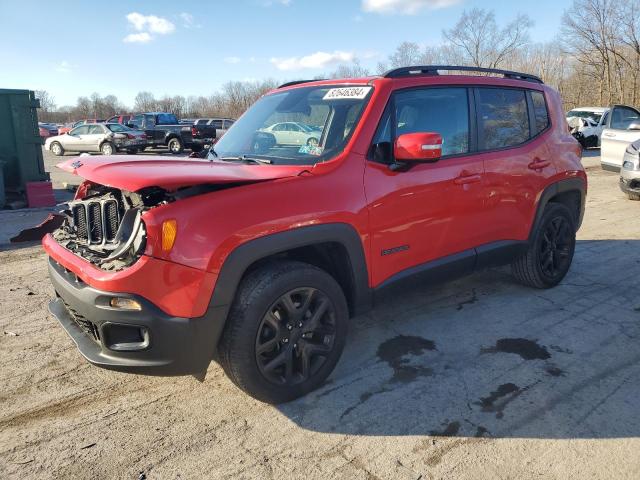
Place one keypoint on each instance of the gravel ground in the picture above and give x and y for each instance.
(478, 378)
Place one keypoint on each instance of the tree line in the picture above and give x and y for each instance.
(595, 60)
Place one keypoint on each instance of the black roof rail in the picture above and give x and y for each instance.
(298, 82)
(433, 70)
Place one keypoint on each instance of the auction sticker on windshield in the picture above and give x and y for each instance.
(347, 93)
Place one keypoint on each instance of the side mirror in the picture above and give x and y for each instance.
(418, 147)
(634, 126)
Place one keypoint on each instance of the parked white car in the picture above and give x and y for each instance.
(587, 123)
(630, 172)
(106, 138)
(622, 129)
(294, 133)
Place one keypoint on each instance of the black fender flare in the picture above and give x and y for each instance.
(240, 259)
(562, 186)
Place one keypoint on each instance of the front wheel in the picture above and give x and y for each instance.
(175, 146)
(312, 142)
(285, 332)
(550, 251)
(107, 148)
(57, 149)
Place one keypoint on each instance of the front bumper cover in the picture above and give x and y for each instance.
(168, 345)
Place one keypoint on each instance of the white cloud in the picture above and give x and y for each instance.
(142, 37)
(188, 21)
(232, 60)
(63, 67)
(314, 61)
(270, 3)
(150, 23)
(148, 26)
(405, 7)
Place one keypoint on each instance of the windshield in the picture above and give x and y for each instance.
(117, 128)
(302, 126)
(585, 114)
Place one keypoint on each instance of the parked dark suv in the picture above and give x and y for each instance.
(259, 254)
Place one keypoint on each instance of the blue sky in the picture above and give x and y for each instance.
(74, 48)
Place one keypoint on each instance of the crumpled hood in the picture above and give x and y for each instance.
(132, 173)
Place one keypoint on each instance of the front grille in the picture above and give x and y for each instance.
(80, 221)
(96, 222)
(86, 325)
(111, 219)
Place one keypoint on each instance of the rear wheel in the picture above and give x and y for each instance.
(634, 196)
(107, 148)
(175, 146)
(550, 251)
(285, 332)
(57, 149)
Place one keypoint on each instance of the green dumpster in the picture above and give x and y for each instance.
(20, 142)
(2, 195)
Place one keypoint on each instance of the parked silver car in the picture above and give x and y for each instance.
(106, 138)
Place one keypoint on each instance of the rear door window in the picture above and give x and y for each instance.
(503, 118)
(95, 130)
(216, 123)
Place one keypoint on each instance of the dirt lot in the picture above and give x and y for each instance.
(479, 378)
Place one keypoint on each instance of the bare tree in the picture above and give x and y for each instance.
(145, 102)
(353, 70)
(481, 43)
(47, 101)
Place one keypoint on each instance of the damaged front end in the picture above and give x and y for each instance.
(105, 226)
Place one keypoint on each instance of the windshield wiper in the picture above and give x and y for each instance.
(247, 159)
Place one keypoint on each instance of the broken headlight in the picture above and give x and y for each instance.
(631, 159)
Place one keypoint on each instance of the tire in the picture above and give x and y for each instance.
(550, 251)
(57, 149)
(175, 146)
(312, 142)
(107, 148)
(633, 196)
(260, 319)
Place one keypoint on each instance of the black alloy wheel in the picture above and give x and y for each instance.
(556, 247)
(295, 336)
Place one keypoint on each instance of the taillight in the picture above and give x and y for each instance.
(194, 131)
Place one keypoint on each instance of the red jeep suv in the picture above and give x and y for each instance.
(258, 254)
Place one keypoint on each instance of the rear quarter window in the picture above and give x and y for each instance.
(503, 118)
(540, 111)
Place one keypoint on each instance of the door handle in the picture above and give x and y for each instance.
(539, 164)
(467, 179)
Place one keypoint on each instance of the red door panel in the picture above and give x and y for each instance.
(428, 212)
(514, 179)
